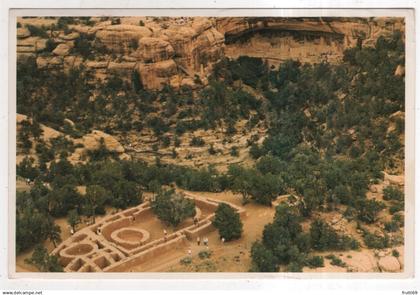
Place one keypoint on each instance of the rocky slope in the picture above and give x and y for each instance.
(182, 51)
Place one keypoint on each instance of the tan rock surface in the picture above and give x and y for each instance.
(62, 49)
(363, 261)
(22, 33)
(92, 140)
(156, 75)
(394, 179)
(389, 264)
(154, 50)
(120, 37)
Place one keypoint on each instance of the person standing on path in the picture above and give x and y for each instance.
(198, 241)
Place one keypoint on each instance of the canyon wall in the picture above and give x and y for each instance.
(182, 51)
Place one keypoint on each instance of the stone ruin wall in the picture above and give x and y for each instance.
(88, 251)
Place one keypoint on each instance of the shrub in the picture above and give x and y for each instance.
(186, 260)
(391, 226)
(197, 141)
(393, 193)
(369, 209)
(376, 241)
(315, 261)
(37, 31)
(228, 222)
(396, 207)
(26, 168)
(395, 253)
(336, 261)
(204, 254)
(212, 150)
(234, 151)
(324, 237)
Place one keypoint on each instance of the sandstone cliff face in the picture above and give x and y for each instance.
(119, 38)
(307, 40)
(175, 50)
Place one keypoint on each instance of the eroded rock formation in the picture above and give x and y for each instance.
(175, 50)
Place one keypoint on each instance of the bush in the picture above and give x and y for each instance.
(376, 241)
(324, 237)
(204, 254)
(37, 31)
(82, 46)
(26, 169)
(315, 261)
(186, 260)
(396, 207)
(234, 151)
(212, 150)
(369, 209)
(197, 141)
(228, 222)
(336, 261)
(395, 253)
(393, 193)
(392, 226)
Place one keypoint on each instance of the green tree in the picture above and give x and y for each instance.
(53, 232)
(393, 193)
(172, 208)
(43, 261)
(126, 194)
(95, 199)
(228, 222)
(26, 168)
(367, 210)
(73, 219)
(263, 259)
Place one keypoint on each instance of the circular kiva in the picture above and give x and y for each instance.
(130, 237)
(81, 249)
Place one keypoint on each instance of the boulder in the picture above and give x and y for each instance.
(188, 82)
(399, 71)
(154, 50)
(124, 157)
(22, 33)
(394, 179)
(92, 141)
(156, 75)
(70, 37)
(62, 49)
(400, 258)
(389, 264)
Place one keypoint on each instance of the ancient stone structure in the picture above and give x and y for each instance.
(126, 239)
